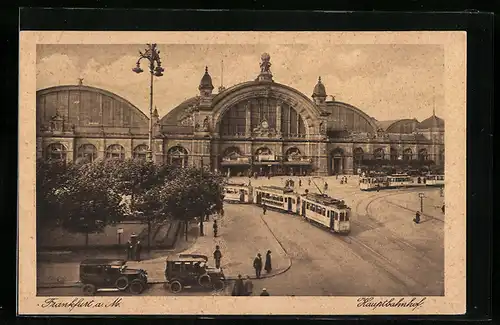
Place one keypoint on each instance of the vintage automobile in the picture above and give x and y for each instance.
(191, 270)
(98, 274)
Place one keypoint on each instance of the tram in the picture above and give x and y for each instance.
(238, 193)
(399, 180)
(279, 198)
(434, 180)
(372, 183)
(326, 211)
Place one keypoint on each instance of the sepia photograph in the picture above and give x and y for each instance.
(280, 167)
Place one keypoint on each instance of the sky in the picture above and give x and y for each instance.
(385, 81)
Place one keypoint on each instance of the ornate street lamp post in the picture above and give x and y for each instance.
(153, 56)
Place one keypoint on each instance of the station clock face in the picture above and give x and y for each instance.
(264, 124)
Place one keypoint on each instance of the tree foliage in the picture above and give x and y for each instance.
(85, 197)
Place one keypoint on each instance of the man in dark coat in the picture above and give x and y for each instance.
(216, 228)
(217, 256)
(130, 250)
(417, 217)
(264, 292)
(264, 208)
(248, 286)
(257, 265)
(268, 266)
(239, 287)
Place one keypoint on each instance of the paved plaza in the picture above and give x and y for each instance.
(385, 253)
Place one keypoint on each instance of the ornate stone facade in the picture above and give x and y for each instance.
(257, 126)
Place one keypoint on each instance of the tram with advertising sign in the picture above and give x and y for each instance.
(399, 180)
(434, 180)
(238, 193)
(278, 198)
(372, 183)
(326, 211)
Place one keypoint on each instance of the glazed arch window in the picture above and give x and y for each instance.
(88, 152)
(115, 151)
(56, 151)
(140, 152)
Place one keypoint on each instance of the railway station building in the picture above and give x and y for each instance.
(257, 126)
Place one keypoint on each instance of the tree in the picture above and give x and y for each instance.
(187, 193)
(88, 204)
(50, 177)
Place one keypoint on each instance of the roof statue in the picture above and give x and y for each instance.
(265, 64)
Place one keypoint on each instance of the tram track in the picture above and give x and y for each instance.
(412, 210)
(381, 260)
(394, 238)
(365, 252)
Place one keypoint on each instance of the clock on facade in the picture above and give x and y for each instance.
(264, 125)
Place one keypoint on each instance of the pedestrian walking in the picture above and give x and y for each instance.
(309, 182)
(257, 265)
(217, 256)
(239, 287)
(248, 286)
(264, 292)
(326, 186)
(216, 228)
(138, 249)
(264, 208)
(268, 266)
(300, 183)
(417, 217)
(345, 179)
(130, 249)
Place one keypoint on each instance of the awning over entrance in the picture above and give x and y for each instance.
(266, 163)
(235, 163)
(297, 163)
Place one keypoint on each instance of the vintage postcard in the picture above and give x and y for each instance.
(171, 173)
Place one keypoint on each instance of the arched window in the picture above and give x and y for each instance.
(394, 154)
(407, 154)
(422, 155)
(262, 114)
(141, 152)
(358, 155)
(87, 152)
(293, 154)
(378, 154)
(56, 151)
(177, 156)
(115, 151)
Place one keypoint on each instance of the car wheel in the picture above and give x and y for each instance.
(121, 283)
(89, 290)
(175, 287)
(204, 281)
(218, 285)
(136, 287)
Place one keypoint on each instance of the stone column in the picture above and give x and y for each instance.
(158, 151)
(248, 119)
(278, 117)
(39, 147)
(348, 167)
